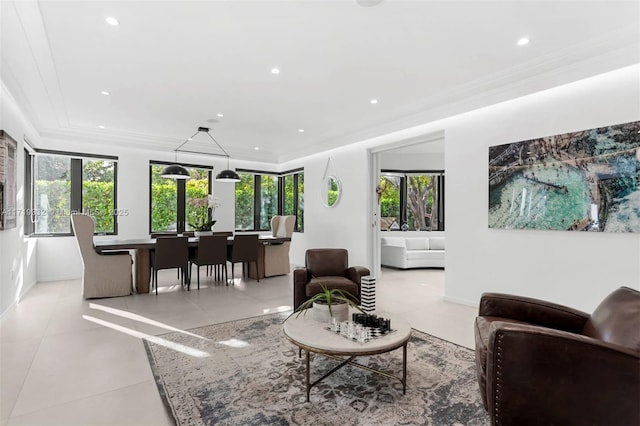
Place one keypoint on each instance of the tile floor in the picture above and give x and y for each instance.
(68, 361)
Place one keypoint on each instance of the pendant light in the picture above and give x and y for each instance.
(176, 171)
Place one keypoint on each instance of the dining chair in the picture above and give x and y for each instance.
(276, 256)
(105, 274)
(244, 249)
(211, 251)
(170, 253)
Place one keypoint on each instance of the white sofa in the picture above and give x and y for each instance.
(412, 252)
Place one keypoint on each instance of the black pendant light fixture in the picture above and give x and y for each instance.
(227, 175)
(176, 171)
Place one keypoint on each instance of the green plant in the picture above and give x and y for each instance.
(330, 296)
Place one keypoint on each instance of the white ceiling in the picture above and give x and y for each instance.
(171, 66)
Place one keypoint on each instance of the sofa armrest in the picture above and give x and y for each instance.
(394, 256)
(300, 280)
(354, 273)
(534, 311)
(537, 375)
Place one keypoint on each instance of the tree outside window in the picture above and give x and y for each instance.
(413, 200)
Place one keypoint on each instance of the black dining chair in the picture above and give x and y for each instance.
(211, 251)
(170, 253)
(244, 249)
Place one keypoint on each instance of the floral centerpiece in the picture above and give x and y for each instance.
(205, 203)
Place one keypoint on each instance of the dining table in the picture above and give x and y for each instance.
(142, 248)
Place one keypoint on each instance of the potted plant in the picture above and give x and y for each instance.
(204, 225)
(330, 303)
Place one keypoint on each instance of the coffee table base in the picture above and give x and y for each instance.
(350, 361)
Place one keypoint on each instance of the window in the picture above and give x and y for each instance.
(293, 201)
(260, 196)
(178, 205)
(412, 200)
(63, 183)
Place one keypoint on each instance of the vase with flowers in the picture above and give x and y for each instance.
(204, 220)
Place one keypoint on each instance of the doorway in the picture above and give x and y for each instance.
(418, 153)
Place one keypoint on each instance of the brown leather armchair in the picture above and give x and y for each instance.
(540, 363)
(326, 267)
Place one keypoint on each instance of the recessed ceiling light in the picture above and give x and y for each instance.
(523, 41)
(104, 92)
(100, 127)
(275, 71)
(112, 21)
(373, 101)
(301, 130)
(257, 148)
(220, 115)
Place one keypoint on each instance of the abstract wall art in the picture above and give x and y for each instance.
(8, 152)
(581, 181)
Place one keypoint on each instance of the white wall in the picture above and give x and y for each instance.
(343, 225)
(17, 254)
(416, 161)
(568, 267)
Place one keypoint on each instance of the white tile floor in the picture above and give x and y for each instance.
(68, 361)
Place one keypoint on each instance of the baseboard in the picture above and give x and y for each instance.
(460, 301)
(6, 311)
(22, 294)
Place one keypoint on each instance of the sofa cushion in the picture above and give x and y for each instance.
(417, 243)
(617, 319)
(417, 254)
(315, 285)
(392, 241)
(436, 243)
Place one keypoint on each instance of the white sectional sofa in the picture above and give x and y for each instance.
(412, 252)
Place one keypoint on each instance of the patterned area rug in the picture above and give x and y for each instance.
(247, 372)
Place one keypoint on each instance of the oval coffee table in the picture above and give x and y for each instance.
(312, 336)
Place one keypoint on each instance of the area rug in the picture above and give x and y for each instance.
(247, 372)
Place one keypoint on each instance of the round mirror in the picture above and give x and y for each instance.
(331, 190)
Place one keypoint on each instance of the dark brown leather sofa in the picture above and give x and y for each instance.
(326, 267)
(540, 363)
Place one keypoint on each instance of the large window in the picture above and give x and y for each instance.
(179, 205)
(412, 201)
(63, 183)
(293, 201)
(261, 195)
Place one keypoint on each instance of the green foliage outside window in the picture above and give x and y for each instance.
(52, 201)
(244, 201)
(164, 199)
(52, 206)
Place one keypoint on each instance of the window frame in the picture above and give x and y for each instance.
(257, 196)
(181, 195)
(439, 175)
(76, 162)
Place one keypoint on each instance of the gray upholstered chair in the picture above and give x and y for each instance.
(540, 363)
(106, 274)
(276, 256)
